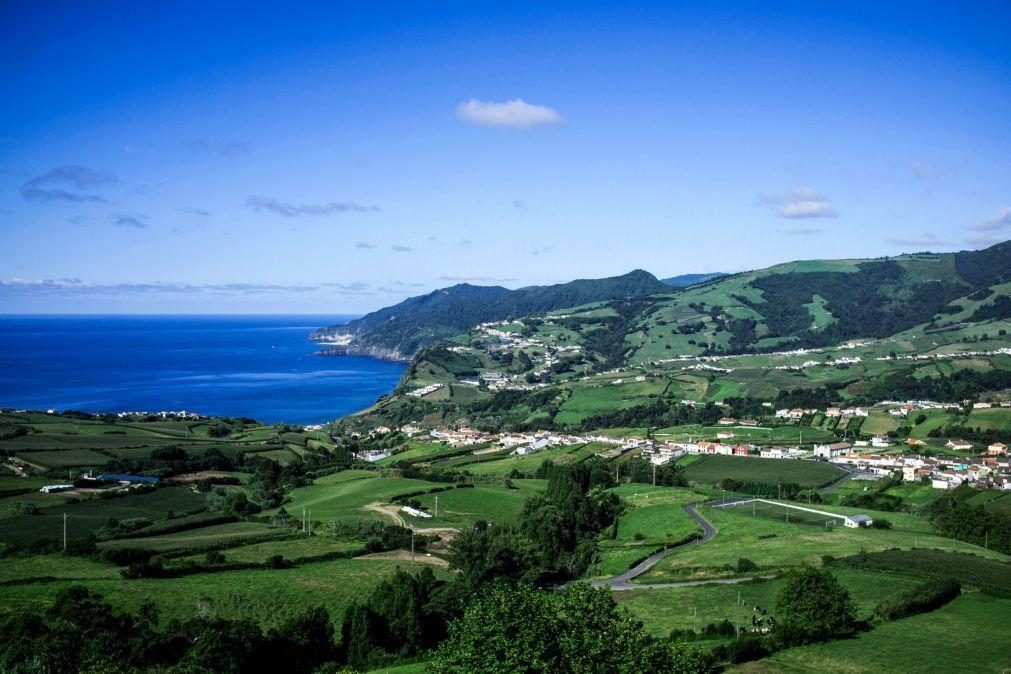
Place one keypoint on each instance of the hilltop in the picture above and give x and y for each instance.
(399, 331)
(933, 325)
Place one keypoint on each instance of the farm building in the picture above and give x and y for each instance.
(857, 521)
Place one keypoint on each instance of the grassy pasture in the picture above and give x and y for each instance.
(711, 469)
(265, 596)
(91, 514)
(655, 517)
(589, 400)
(664, 609)
(530, 462)
(64, 458)
(291, 548)
(491, 503)
(995, 418)
(967, 635)
(344, 496)
(774, 544)
(203, 538)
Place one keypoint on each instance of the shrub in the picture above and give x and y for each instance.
(920, 599)
(744, 565)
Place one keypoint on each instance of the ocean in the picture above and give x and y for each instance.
(262, 367)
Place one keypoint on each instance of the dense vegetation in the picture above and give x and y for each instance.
(418, 321)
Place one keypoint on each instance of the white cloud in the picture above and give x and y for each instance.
(514, 114)
(999, 221)
(925, 239)
(801, 202)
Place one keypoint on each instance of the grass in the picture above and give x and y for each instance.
(664, 609)
(23, 567)
(995, 418)
(216, 535)
(265, 596)
(64, 458)
(588, 400)
(775, 545)
(967, 635)
(93, 513)
(297, 548)
(655, 517)
(344, 496)
(529, 462)
(712, 469)
(491, 503)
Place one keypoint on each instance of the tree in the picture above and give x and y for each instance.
(510, 628)
(812, 606)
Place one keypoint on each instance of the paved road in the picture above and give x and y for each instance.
(621, 581)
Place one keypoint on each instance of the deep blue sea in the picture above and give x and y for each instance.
(256, 366)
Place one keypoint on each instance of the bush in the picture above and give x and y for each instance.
(920, 599)
(745, 565)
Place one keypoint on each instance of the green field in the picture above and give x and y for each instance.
(460, 508)
(265, 596)
(203, 538)
(655, 517)
(968, 635)
(712, 469)
(775, 545)
(344, 496)
(666, 609)
(91, 514)
(291, 548)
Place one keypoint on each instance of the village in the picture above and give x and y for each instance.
(874, 458)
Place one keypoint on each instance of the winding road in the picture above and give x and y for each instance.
(623, 580)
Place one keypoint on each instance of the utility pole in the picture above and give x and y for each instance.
(738, 614)
(308, 520)
(64, 532)
(412, 545)
(436, 506)
(654, 474)
(303, 519)
(695, 614)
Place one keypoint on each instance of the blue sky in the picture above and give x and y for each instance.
(204, 157)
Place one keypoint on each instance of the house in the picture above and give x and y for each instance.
(774, 453)
(913, 442)
(833, 412)
(783, 413)
(727, 421)
(740, 450)
(53, 488)
(959, 445)
(880, 441)
(724, 435)
(996, 449)
(982, 406)
(856, 521)
(832, 450)
(749, 422)
(796, 413)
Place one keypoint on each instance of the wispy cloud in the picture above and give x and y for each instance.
(475, 279)
(999, 221)
(219, 148)
(514, 114)
(289, 210)
(195, 211)
(544, 250)
(68, 183)
(365, 245)
(76, 286)
(519, 203)
(802, 231)
(398, 248)
(925, 171)
(800, 203)
(135, 220)
(924, 239)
